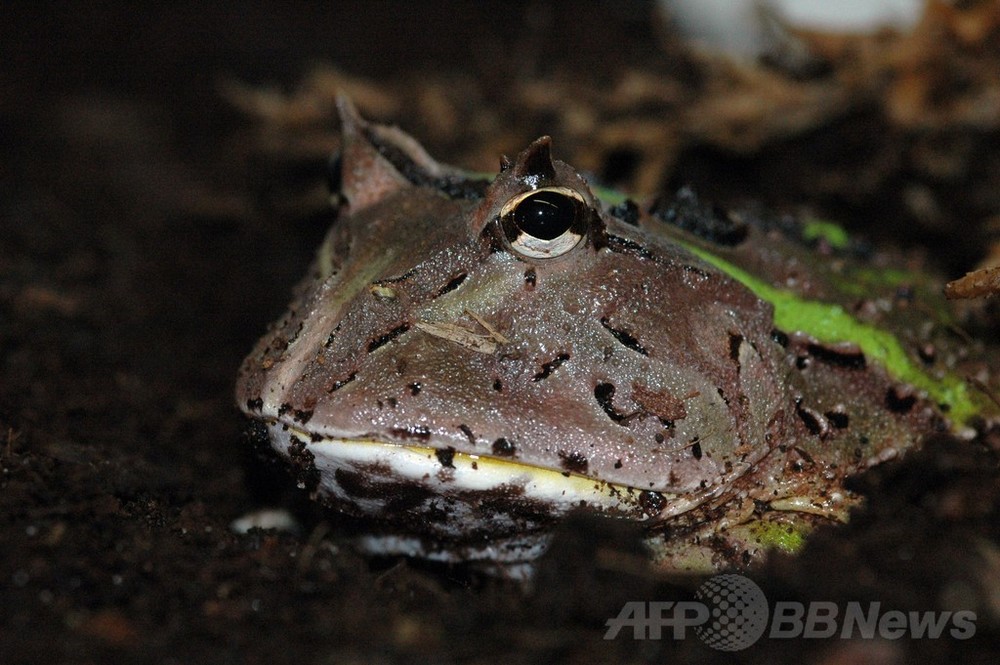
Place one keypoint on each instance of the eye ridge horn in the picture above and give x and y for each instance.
(535, 163)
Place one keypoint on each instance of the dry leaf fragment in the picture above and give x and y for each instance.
(976, 284)
(463, 336)
(494, 333)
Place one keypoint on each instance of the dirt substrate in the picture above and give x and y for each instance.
(162, 190)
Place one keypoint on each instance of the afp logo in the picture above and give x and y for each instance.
(730, 613)
(737, 612)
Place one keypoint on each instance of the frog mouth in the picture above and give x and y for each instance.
(368, 475)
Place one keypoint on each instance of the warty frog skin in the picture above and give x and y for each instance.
(467, 361)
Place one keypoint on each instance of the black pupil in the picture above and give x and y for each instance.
(545, 215)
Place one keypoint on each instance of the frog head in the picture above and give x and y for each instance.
(465, 363)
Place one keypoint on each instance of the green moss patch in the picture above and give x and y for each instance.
(829, 323)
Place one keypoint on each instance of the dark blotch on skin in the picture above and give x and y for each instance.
(301, 415)
(415, 387)
(549, 367)
(446, 457)
(332, 337)
(575, 462)
(804, 454)
(604, 394)
(652, 502)
(813, 421)
(779, 337)
(696, 449)
(284, 408)
(723, 395)
(838, 419)
(255, 404)
(530, 278)
(414, 433)
(400, 497)
(453, 284)
(340, 383)
(503, 448)
(850, 358)
(467, 431)
(497, 385)
(626, 246)
(735, 340)
(624, 338)
(397, 279)
(388, 337)
(900, 399)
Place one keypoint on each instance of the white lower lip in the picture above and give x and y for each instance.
(420, 465)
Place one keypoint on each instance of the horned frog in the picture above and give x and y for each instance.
(468, 361)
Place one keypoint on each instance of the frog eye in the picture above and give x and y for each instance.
(544, 223)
